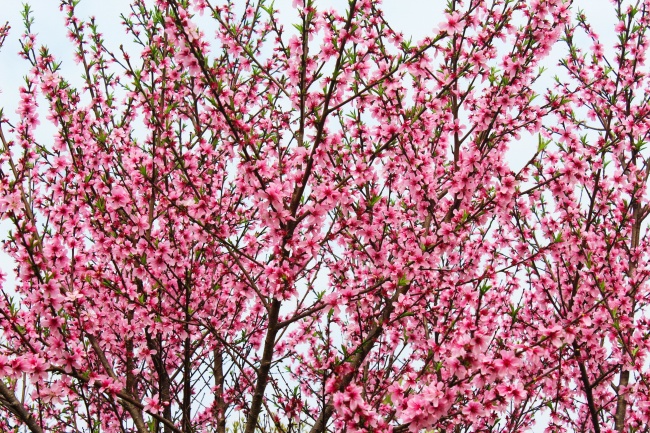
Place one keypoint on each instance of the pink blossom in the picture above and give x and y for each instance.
(322, 224)
(151, 404)
(453, 23)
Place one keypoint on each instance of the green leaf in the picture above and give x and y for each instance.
(542, 144)
(403, 281)
(514, 312)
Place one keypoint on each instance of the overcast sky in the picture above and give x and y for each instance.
(415, 18)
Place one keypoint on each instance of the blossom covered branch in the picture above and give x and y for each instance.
(242, 227)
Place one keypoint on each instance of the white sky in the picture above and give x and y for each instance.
(415, 18)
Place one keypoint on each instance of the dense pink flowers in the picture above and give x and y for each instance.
(316, 228)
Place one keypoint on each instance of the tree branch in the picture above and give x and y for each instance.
(14, 406)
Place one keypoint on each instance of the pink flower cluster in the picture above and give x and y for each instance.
(237, 225)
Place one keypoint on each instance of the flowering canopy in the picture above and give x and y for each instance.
(316, 229)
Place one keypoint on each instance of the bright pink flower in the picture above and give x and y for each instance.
(119, 196)
(507, 364)
(152, 405)
(287, 217)
(453, 23)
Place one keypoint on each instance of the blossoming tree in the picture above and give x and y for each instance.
(316, 229)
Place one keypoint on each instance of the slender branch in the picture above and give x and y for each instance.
(264, 369)
(10, 401)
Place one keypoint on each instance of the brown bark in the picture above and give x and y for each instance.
(265, 368)
(624, 378)
(219, 403)
(186, 423)
(10, 401)
(621, 402)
